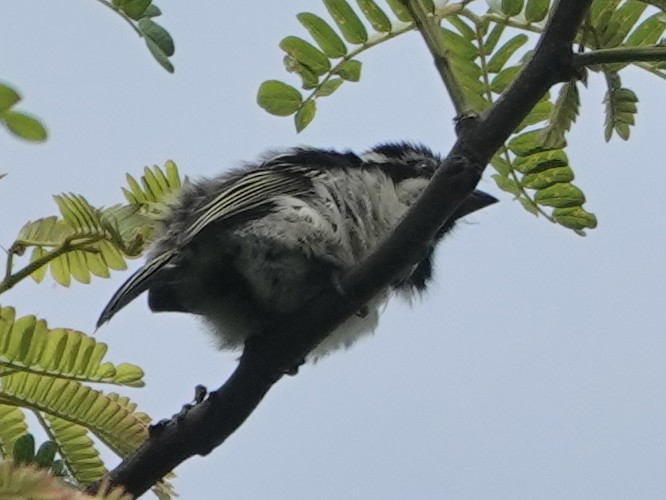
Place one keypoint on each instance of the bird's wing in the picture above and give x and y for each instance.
(248, 192)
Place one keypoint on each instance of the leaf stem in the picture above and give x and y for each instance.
(6, 373)
(620, 55)
(52, 437)
(21, 274)
(401, 29)
(484, 63)
(9, 264)
(10, 369)
(525, 194)
(505, 21)
(67, 245)
(651, 69)
(351, 55)
(122, 15)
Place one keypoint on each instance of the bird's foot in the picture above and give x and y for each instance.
(294, 369)
(200, 393)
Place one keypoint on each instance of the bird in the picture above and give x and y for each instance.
(254, 244)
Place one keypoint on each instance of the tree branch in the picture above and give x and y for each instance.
(268, 356)
(620, 55)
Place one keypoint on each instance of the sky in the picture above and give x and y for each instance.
(533, 369)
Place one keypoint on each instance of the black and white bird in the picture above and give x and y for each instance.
(252, 245)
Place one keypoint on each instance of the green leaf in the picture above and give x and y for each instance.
(24, 449)
(24, 126)
(428, 5)
(77, 449)
(134, 8)
(621, 22)
(305, 115)
(12, 426)
(159, 55)
(660, 4)
(157, 34)
(500, 164)
(95, 264)
(536, 10)
(152, 11)
(501, 57)
(600, 8)
(309, 79)
(306, 54)
(468, 31)
(278, 98)
(575, 218)
(78, 267)
(529, 205)
(649, 31)
(469, 75)
(503, 79)
(349, 23)
(46, 454)
(399, 10)
(112, 256)
(491, 40)
(327, 39)
(459, 45)
(27, 344)
(88, 240)
(541, 180)
(564, 115)
(172, 175)
(539, 113)
(507, 184)
(560, 196)
(512, 7)
(159, 42)
(79, 214)
(540, 161)
(8, 97)
(329, 86)
(378, 19)
(349, 70)
(526, 143)
(113, 421)
(620, 108)
(60, 271)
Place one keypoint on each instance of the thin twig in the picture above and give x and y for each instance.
(432, 34)
(67, 245)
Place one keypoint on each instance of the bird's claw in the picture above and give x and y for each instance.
(294, 369)
(200, 393)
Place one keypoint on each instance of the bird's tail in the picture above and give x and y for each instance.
(138, 283)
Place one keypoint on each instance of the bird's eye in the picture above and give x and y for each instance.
(425, 167)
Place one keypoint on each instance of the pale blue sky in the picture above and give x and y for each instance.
(535, 368)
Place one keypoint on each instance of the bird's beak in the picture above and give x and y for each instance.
(475, 201)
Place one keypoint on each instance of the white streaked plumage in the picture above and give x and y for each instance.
(250, 246)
